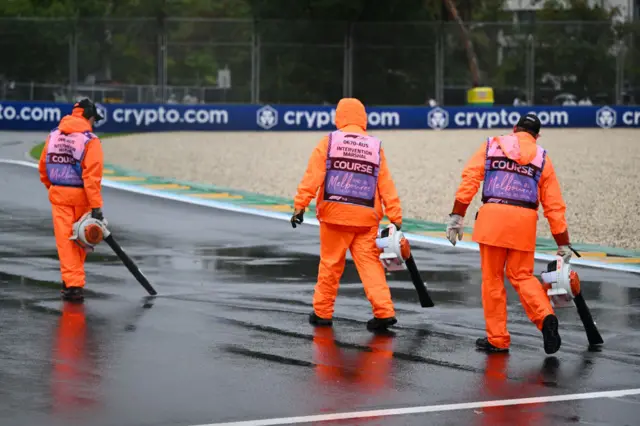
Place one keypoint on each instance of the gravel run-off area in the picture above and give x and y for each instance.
(597, 169)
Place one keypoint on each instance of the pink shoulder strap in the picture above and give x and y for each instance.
(538, 160)
(510, 146)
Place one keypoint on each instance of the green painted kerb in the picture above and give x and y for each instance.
(36, 151)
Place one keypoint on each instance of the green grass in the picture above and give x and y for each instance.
(36, 151)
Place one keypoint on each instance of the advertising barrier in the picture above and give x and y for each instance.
(43, 116)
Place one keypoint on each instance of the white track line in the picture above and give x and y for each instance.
(312, 221)
(429, 408)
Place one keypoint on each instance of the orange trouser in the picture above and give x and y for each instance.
(361, 242)
(71, 256)
(494, 296)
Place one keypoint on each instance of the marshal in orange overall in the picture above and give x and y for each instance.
(517, 175)
(71, 167)
(348, 174)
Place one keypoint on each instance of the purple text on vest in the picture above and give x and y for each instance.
(509, 184)
(348, 184)
(63, 174)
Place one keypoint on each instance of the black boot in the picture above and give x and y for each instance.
(550, 334)
(73, 294)
(483, 344)
(380, 323)
(320, 322)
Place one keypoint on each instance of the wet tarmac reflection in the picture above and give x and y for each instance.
(362, 374)
(73, 375)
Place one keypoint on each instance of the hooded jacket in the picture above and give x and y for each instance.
(508, 226)
(92, 166)
(350, 117)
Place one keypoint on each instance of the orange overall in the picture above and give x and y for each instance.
(68, 203)
(347, 226)
(507, 235)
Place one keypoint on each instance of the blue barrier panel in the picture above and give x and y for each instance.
(43, 116)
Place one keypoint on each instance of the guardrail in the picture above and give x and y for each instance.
(43, 116)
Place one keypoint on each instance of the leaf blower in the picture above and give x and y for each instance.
(88, 232)
(563, 288)
(396, 256)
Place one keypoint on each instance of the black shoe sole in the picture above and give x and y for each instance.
(380, 324)
(74, 297)
(489, 348)
(550, 335)
(319, 322)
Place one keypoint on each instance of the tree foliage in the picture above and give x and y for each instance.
(301, 44)
(576, 43)
(572, 46)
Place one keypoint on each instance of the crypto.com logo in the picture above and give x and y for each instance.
(267, 117)
(103, 112)
(438, 118)
(606, 117)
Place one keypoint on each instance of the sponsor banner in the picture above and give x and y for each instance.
(43, 116)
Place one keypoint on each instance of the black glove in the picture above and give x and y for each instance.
(97, 214)
(297, 218)
(397, 225)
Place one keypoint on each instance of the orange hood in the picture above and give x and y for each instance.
(351, 112)
(523, 151)
(74, 123)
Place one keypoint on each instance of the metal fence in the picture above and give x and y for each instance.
(147, 60)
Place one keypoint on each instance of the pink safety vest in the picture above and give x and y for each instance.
(353, 164)
(64, 157)
(506, 181)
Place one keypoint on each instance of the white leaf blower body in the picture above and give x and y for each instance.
(395, 248)
(88, 232)
(564, 283)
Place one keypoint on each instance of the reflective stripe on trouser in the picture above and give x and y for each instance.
(361, 242)
(519, 269)
(71, 256)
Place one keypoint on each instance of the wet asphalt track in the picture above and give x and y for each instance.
(227, 339)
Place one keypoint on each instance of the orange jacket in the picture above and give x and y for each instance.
(350, 117)
(509, 226)
(92, 166)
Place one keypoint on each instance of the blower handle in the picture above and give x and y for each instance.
(131, 266)
(574, 250)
